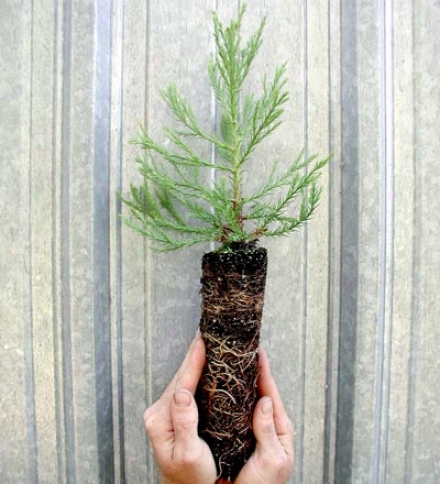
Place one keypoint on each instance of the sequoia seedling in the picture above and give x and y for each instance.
(180, 204)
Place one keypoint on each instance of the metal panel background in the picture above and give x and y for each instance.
(93, 324)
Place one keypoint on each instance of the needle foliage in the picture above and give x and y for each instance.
(180, 203)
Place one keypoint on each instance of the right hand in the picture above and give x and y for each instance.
(272, 460)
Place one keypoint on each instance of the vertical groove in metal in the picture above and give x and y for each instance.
(349, 246)
(387, 236)
(301, 432)
(118, 245)
(148, 259)
(101, 240)
(29, 380)
(69, 428)
(383, 236)
(416, 256)
(55, 249)
(332, 269)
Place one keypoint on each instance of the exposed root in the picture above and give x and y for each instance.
(232, 305)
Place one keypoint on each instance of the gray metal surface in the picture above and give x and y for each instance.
(93, 324)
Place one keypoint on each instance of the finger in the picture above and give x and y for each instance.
(190, 371)
(264, 428)
(157, 418)
(270, 462)
(185, 420)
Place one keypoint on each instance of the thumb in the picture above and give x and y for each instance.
(264, 427)
(185, 419)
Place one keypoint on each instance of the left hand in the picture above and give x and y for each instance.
(182, 456)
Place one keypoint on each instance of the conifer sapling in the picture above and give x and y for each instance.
(179, 204)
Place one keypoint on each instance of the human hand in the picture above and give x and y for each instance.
(272, 460)
(181, 455)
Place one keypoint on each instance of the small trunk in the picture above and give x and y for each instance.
(232, 288)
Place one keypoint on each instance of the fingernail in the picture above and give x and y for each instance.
(182, 398)
(267, 406)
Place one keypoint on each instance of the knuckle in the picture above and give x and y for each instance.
(187, 457)
(281, 467)
(186, 423)
(278, 461)
(150, 419)
(147, 414)
(150, 425)
(269, 428)
(273, 465)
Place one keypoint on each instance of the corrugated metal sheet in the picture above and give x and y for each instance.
(93, 324)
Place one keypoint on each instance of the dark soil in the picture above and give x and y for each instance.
(232, 288)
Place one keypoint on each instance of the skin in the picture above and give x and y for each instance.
(183, 457)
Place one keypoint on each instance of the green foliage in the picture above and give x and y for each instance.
(179, 203)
